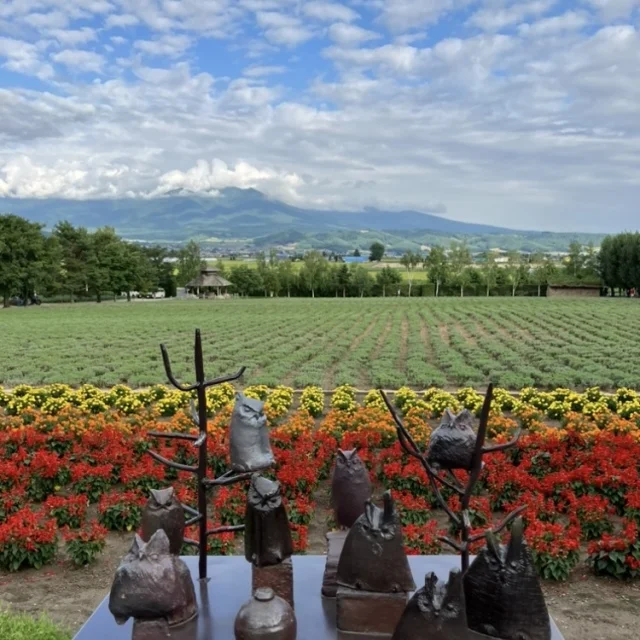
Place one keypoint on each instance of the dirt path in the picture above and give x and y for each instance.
(401, 363)
(443, 330)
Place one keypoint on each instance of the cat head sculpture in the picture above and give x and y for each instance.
(150, 583)
(452, 443)
(502, 590)
(350, 487)
(249, 437)
(373, 557)
(267, 537)
(435, 611)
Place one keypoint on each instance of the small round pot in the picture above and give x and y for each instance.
(265, 617)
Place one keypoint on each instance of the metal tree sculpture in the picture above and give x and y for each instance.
(462, 519)
(199, 417)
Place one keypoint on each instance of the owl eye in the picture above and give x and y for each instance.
(451, 607)
(155, 557)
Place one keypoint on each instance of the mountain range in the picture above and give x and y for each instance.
(233, 216)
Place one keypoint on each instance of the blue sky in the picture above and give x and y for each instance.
(523, 114)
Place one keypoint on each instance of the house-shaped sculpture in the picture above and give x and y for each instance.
(209, 283)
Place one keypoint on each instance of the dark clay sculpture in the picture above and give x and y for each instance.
(452, 444)
(164, 511)
(373, 557)
(350, 487)
(265, 617)
(267, 537)
(249, 439)
(152, 584)
(503, 594)
(435, 611)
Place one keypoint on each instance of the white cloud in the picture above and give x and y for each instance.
(329, 11)
(122, 20)
(613, 9)
(168, 45)
(24, 57)
(118, 40)
(73, 37)
(569, 21)
(349, 35)
(80, 59)
(494, 19)
(261, 71)
(52, 20)
(406, 15)
(282, 29)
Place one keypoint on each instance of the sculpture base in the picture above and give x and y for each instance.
(278, 577)
(368, 612)
(335, 542)
(150, 630)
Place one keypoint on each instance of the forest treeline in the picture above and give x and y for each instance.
(73, 263)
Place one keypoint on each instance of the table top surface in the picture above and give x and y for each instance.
(229, 587)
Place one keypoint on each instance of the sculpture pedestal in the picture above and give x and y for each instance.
(278, 577)
(368, 612)
(335, 542)
(150, 630)
(220, 599)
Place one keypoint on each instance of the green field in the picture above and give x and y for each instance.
(365, 342)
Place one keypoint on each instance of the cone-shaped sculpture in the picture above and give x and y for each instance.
(373, 557)
(435, 611)
(249, 438)
(350, 487)
(502, 591)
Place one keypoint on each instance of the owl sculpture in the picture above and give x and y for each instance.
(249, 437)
(151, 584)
(435, 611)
(350, 487)
(267, 537)
(503, 594)
(164, 511)
(373, 557)
(452, 444)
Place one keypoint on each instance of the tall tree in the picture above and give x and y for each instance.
(460, 262)
(105, 270)
(516, 271)
(490, 271)
(376, 252)
(437, 266)
(312, 271)
(410, 261)
(22, 255)
(286, 277)
(189, 262)
(75, 248)
(246, 281)
(575, 260)
(543, 272)
(344, 278)
(387, 278)
(361, 279)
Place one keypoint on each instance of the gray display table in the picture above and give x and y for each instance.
(229, 588)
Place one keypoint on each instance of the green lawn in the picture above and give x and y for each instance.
(366, 342)
(23, 627)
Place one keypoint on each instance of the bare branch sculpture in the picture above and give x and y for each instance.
(462, 519)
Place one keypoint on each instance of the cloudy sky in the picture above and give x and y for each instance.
(524, 114)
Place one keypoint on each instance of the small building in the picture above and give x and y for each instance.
(574, 291)
(209, 283)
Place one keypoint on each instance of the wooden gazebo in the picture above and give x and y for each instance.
(208, 283)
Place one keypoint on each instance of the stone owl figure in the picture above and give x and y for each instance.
(267, 537)
(503, 594)
(249, 437)
(436, 611)
(164, 511)
(350, 487)
(452, 443)
(373, 557)
(151, 584)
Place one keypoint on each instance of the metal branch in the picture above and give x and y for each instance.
(512, 516)
(222, 379)
(506, 445)
(193, 520)
(177, 436)
(193, 543)
(169, 372)
(230, 529)
(190, 510)
(227, 479)
(173, 465)
(452, 543)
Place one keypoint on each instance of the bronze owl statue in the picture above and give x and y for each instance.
(436, 611)
(267, 537)
(452, 443)
(249, 437)
(373, 557)
(164, 511)
(350, 487)
(502, 591)
(151, 584)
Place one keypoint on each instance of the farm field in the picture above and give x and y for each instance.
(368, 342)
